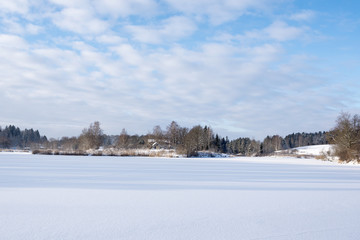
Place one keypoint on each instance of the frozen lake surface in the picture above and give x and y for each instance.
(67, 197)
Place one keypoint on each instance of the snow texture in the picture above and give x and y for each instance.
(315, 150)
(68, 197)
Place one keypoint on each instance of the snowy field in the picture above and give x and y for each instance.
(66, 197)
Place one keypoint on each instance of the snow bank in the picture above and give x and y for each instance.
(7, 151)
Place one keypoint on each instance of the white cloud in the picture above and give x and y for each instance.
(14, 6)
(126, 8)
(128, 54)
(278, 31)
(281, 31)
(8, 41)
(111, 39)
(33, 29)
(11, 25)
(14, 26)
(72, 4)
(304, 15)
(79, 20)
(219, 11)
(171, 29)
(92, 17)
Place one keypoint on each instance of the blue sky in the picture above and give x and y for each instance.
(247, 68)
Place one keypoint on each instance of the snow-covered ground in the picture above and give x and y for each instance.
(67, 197)
(7, 151)
(313, 150)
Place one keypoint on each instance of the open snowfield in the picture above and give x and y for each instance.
(66, 197)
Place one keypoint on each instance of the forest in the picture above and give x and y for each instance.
(12, 137)
(183, 140)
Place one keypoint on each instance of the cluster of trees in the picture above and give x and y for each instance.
(346, 137)
(244, 147)
(93, 137)
(251, 147)
(184, 141)
(13, 137)
(190, 141)
(276, 142)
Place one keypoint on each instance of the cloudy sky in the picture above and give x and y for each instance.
(247, 68)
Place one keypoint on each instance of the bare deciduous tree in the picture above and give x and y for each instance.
(92, 137)
(346, 137)
(123, 139)
(158, 133)
(173, 133)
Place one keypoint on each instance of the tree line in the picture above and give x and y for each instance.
(190, 141)
(186, 141)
